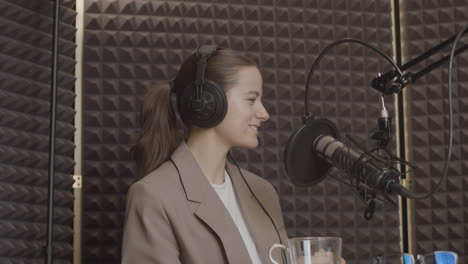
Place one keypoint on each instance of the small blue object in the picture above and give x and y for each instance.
(408, 259)
(445, 257)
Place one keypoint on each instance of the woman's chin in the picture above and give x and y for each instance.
(249, 145)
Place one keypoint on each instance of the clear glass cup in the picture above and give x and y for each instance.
(311, 250)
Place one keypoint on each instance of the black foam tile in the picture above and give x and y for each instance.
(24, 107)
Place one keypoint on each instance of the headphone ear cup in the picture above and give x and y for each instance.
(208, 110)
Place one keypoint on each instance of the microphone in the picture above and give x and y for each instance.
(368, 171)
(314, 148)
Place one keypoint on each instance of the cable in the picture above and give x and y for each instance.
(261, 205)
(450, 144)
(324, 51)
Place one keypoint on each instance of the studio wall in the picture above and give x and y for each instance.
(130, 45)
(25, 78)
(439, 222)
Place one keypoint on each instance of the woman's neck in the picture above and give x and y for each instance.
(210, 155)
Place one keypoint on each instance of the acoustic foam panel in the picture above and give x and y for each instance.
(130, 45)
(25, 73)
(440, 222)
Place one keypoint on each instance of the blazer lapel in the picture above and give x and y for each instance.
(257, 221)
(207, 206)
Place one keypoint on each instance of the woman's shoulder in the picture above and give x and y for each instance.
(160, 180)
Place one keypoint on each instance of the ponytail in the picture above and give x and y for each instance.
(158, 136)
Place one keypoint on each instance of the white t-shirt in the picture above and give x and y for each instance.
(226, 194)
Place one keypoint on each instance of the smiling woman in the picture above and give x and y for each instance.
(191, 204)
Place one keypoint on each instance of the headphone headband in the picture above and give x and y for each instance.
(203, 53)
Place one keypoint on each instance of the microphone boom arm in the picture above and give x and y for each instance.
(386, 82)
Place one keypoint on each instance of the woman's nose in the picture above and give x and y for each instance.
(262, 113)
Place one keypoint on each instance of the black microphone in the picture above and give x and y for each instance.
(314, 148)
(367, 171)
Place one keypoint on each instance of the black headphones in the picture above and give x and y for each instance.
(203, 103)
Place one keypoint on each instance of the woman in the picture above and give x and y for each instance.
(193, 205)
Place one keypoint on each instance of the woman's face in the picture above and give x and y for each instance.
(245, 110)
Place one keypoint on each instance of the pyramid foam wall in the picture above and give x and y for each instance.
(25, 80)
(440, 221)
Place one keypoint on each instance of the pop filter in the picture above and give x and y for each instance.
(301, 162)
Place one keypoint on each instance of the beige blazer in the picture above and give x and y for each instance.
(172, 218)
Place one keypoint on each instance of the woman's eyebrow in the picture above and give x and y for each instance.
(254, 92)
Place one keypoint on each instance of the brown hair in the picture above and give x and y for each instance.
(159, 136)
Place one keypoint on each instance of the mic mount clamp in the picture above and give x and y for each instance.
(386, 84)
